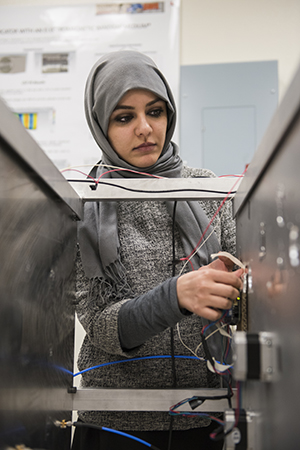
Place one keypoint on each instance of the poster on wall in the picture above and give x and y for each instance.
(46, 53)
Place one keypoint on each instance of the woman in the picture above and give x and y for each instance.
(130, 294)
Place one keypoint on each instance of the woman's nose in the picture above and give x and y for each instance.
(143, 127)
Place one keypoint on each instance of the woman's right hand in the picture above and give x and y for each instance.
(209, 290)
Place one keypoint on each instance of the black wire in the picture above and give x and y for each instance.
(173, 359)
(172, 329)
(174, 385)
(173, 275)
(198, 400)
(174, 261)
(95, 184)
(209, 357)
(206, 350)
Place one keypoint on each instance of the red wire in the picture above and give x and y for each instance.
(109, 171)
(214, 216)
(230, 175)
(128, 170)
(156, 176)
(79, 171)
(190, 261)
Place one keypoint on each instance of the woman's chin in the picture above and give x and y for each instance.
(146, 161)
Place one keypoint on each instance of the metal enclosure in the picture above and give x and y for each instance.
(38, 212)
(267, 207)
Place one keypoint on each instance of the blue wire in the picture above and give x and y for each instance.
(225, 312)
(63, 369)
(133, 359)
(126, 435)
(126, 361)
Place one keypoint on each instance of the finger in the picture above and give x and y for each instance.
(239, 273)
(222, 303)
(212, 314)
(229, 278)
(224, 293)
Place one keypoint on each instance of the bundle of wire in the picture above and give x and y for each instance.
(196, 401)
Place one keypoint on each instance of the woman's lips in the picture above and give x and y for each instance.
(145, 146)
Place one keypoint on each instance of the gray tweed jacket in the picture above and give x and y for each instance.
(141, 326)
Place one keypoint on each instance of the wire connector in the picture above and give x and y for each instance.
(63, 423)
(195, 402)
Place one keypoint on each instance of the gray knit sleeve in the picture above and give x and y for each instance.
(120, 327)
(147, 315)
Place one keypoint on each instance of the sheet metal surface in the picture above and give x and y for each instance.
(268, 238)
(37, 248)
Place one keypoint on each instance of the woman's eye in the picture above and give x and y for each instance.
(123, 119)
(157, 112)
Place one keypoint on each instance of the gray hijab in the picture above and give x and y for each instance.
(110, 78)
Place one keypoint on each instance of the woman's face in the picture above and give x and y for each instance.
(137, 127)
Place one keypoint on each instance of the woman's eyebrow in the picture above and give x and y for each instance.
(131, 107)
(123, 107)
(154, 101)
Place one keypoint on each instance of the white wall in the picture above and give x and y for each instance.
(220, 31)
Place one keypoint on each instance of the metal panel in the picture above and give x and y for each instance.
(157, 189)
(27, 152)
(146, 399)
(37, 247)
(268, 238)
